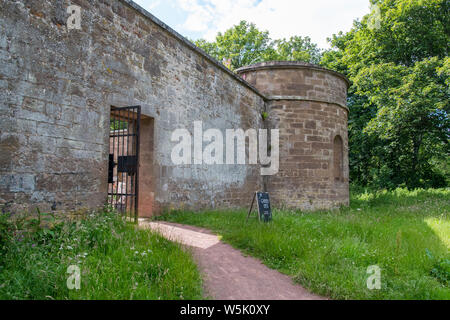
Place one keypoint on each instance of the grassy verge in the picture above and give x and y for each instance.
(405, 233)
(116, 262)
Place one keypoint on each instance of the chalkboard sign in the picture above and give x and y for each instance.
(264, 210)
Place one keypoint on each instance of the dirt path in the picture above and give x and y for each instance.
(227, 273)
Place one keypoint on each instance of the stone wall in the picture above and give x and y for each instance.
(57, 87)
(308, 104)
(56, 90)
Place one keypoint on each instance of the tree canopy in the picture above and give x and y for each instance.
(245, 44)
(396, 59)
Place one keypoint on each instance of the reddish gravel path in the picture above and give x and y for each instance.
(227, 273)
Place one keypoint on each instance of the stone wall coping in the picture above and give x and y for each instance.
(236, 76)
(191, 46)
(290, 65)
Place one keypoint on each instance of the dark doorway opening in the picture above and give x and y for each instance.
(338, 159)
(123, 170)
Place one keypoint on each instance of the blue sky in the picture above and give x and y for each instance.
(317, 19)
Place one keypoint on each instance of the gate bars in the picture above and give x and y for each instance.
(123, 170)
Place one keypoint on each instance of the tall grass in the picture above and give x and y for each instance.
(116, 261)
(405, 233)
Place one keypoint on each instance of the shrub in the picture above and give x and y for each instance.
(6, 233)
(116, 260)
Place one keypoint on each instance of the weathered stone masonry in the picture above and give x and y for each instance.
(57, 88)
(308, 104)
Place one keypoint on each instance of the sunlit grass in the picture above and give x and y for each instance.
(404, 232)
(441, 227)
(116, 261)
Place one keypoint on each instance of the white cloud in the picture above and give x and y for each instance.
(149, 4)
(318, 19)
(199, 16)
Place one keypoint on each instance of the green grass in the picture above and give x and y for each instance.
(406, 233)
(116, 262)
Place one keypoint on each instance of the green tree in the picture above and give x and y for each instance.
(412, 115)
(296, 49)
(396, 59)
(244, 44)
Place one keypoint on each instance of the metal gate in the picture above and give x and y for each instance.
(123, 171)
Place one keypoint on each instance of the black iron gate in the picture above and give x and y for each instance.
(123, 171)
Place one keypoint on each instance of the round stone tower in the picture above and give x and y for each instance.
(308, 104)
